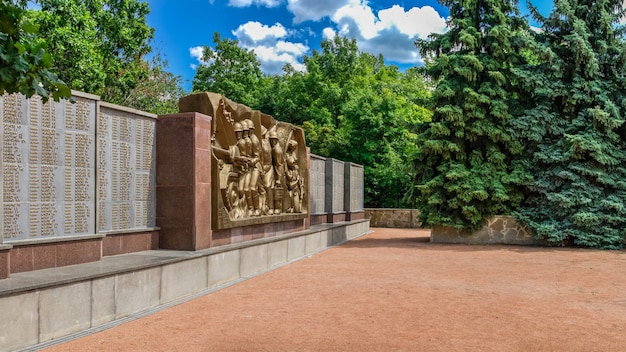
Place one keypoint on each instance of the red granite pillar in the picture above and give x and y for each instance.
(184, 181)
(4, 261)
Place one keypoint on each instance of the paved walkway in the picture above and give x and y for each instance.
(393, 291)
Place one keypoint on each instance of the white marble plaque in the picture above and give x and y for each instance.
(126, 171)
(48, 168)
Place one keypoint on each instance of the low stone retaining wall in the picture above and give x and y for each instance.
(393, 218)
(40, 306)
(499, 230)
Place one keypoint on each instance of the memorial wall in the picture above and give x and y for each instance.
(317, 191)
(73, 169)
(353, 195)
(126, 170)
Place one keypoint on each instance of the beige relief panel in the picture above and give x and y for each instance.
(259, 168)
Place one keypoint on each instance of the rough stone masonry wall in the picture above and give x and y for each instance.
(499, 230)
(393, 218)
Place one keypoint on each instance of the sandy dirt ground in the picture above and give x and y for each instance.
(392, 290)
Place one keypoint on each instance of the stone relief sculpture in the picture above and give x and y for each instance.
(258, 166)
(255, 171)
(293, 179)
(267, 173)
(277, 162)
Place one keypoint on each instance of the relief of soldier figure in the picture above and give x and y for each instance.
(259, 161)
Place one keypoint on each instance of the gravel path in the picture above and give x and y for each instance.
(392, 290)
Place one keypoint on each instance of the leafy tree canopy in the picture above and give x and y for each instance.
(355, 108)
(97, 46)
(229, 70)
(159, 92)
(25, 64)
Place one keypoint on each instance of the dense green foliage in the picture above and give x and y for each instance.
(574, 129)
(159, 92)
(101, 47)
(229, 70)
(466, 169)
(355, 108)
(375, 118)
(97, 45)
(24, 61)
(528, 123)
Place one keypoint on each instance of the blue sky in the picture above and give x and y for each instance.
(282, 31)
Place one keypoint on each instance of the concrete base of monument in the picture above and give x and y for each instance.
(30, 255)
(356, 215)
(46, 305)
(319, 218)
(499, 230)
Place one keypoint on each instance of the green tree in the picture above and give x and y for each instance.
(466, 171)
(24, 61)
(229, 70)
(355, 108)
(314, 99)
(159, 92)
(375, 131)
(98, 46)
(575, 134)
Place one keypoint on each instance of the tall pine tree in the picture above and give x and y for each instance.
(575, 133)
(465, 167)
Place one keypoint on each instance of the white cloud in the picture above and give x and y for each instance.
(329, 33)
(356, 16)
(272, 53)
(391, 31)
(394, 46)
(273, 59)
(197, 52)
(291, 48)
(247, 3)
(253, 31)
(313, 10)
(270, 46)
(415, 23)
